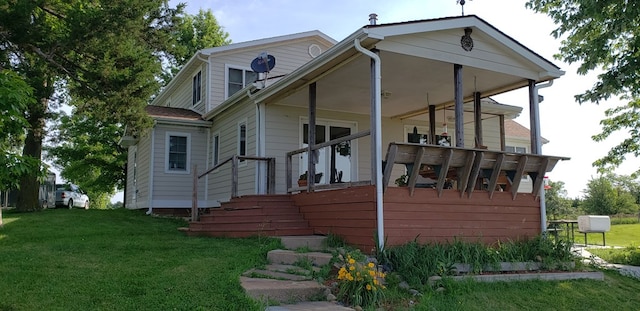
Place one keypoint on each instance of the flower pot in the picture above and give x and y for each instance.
(302, 183)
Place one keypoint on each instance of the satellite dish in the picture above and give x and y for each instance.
(263, 63)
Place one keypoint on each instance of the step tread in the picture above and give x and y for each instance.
(275, 275)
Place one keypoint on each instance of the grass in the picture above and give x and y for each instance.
(620, 235)
(124, 260)
(629, 255)
(120, 260)
(615, 292)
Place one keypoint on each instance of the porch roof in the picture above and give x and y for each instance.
(417, 68)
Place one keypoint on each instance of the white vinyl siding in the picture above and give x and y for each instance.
(290, 55)
(226, 125)
(140, 154)
(173, 189)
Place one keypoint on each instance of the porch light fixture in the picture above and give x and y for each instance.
(466, 42)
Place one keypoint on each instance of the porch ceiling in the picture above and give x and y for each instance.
(409, 84)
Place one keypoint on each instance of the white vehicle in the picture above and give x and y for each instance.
(70, 195)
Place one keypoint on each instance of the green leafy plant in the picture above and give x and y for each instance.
(402, 180)
(360, 284)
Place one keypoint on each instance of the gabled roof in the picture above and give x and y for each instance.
(172, 113)
(406, 40)
(267, 41)
(515, 129)
(201, 56)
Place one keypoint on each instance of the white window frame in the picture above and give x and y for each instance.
(228, 67)
(239, 136)
(515, 149)
(196, 88)
(215, 149)
(187, 169)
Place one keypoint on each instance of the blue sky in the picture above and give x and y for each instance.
(566, 124)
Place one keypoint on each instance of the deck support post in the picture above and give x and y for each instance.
(311, 154)
(459, 105)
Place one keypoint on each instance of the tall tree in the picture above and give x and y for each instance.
(556, 200)
(603, 35)
(193, 33)
(87, 153)
(604, 196)
(105, 54)
(85, 147)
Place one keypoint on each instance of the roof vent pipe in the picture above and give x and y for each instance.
(373, 18)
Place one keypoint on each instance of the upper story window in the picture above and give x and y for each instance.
(177, 152)
(197, 88)
(515, 149)
(239, 78)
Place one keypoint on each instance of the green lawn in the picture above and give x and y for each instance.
(119, 260)
(125, 260)
(620, 235)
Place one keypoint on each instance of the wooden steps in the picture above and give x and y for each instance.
(266, 215)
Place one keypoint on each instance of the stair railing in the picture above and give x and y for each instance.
(234, 160)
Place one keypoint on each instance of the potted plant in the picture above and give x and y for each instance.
(302, 180)
(402, 180)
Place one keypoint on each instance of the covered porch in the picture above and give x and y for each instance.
(418, 72)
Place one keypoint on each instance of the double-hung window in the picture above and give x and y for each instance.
(238, 79)
(197, 88)
(177, 152)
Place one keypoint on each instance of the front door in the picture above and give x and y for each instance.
(335, 162)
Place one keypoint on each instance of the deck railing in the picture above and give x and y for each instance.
(234, 160)
(467, 166)
(311, 186)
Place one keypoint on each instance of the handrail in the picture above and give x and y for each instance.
(289, 162)
(235, 159)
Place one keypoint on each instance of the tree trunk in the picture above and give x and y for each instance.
(28, 199)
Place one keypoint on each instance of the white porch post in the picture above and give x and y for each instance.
(376, 136)
(459, 108)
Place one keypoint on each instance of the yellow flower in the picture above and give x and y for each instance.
(351, 261)
(371, 265)
(372, 273)
(368, 287)
(352, 268)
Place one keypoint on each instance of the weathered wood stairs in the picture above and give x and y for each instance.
(252, 215)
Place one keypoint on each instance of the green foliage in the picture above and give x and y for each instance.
(604, 197)
(416, 262)
(602, 36)
(87, 153)
(629, 255)
(556, 200)
(193, 33)
(15, 95)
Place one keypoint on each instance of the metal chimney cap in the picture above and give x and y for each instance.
(373, 18)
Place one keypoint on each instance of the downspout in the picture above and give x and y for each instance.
(536, 142)
(260, 148)
(207, 106)
(377, 133)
